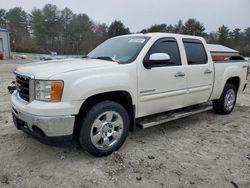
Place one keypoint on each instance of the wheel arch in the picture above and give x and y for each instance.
(123, 98)
(235, 81)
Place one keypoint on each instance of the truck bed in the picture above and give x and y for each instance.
(227, 69)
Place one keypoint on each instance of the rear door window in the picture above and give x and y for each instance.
(195, 52)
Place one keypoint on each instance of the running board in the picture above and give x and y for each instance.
(164, 118)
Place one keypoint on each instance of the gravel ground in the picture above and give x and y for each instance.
(204, 150)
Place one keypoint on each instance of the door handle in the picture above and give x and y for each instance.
(179, 74)
(208, 71)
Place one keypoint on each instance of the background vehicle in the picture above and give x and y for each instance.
(141, 79)
(248, 60)
(52, 56)
(1, 55)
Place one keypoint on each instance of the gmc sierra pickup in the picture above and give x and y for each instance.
(132, 80)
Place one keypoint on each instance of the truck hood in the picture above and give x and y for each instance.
(47, 69)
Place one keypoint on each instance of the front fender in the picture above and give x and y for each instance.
(88, 86)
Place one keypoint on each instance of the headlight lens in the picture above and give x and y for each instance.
(50, 91)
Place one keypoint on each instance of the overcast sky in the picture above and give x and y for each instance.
(140, 14)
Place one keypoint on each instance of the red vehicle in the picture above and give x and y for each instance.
(221, 53)
(1, 55)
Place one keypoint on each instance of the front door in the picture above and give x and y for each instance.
(164, 87)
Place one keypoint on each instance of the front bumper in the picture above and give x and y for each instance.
(44, 127)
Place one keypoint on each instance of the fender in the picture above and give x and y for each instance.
(88, 86)
(223, 73)
(82, 84)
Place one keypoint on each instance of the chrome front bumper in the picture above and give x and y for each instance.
(43, 126)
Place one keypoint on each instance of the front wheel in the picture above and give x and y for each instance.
(227, 101)
(104, 128)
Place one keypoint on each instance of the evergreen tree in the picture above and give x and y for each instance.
(117, 28)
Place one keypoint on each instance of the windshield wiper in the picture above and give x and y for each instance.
(104, 58)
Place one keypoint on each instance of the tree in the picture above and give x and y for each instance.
(117, 28)
(80, 30)
(65, 32)
(52, 23)
(212, 38)
(236, 37)
(223, 35)
(101, 32)
(247, 35)
(170, 29)
(17, 24)
(178, 28)
(157, 28)
(48, 28)
(246, 42)
(39, 30)
(66, 18)
(193, 27)
(2, 18)
(51, 29)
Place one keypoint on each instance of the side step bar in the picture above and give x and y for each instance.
(173, 115)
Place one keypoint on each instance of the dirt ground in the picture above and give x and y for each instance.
(204, 150)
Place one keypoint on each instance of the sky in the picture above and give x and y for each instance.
(140, 14)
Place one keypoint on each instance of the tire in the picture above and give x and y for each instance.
(226, 103)
(104, 128)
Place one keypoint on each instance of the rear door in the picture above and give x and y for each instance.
(200, 72)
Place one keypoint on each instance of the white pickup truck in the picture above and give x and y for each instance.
(138, 79)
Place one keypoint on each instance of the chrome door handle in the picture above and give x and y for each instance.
(208, 71)
(179, 74)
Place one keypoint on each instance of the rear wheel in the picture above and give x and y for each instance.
(227, 101)
(104, 128)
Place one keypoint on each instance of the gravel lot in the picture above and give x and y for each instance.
(204, 150)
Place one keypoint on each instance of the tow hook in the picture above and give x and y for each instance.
(12, 87)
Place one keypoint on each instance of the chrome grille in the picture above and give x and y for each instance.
(22, 86)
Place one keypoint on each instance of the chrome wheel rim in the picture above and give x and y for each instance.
(106, 130)
(229, 99)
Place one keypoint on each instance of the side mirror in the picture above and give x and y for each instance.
(159, 57)
(157, 60)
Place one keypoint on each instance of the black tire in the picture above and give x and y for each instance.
(219, 105)
(87, 121)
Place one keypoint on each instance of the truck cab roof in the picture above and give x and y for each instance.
(160, 35)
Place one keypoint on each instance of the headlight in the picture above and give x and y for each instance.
(50, 91)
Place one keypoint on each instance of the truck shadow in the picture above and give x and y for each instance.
(171, 130)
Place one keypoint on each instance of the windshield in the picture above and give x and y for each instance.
(120, 49)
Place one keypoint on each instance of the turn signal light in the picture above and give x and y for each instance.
(56, 91)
